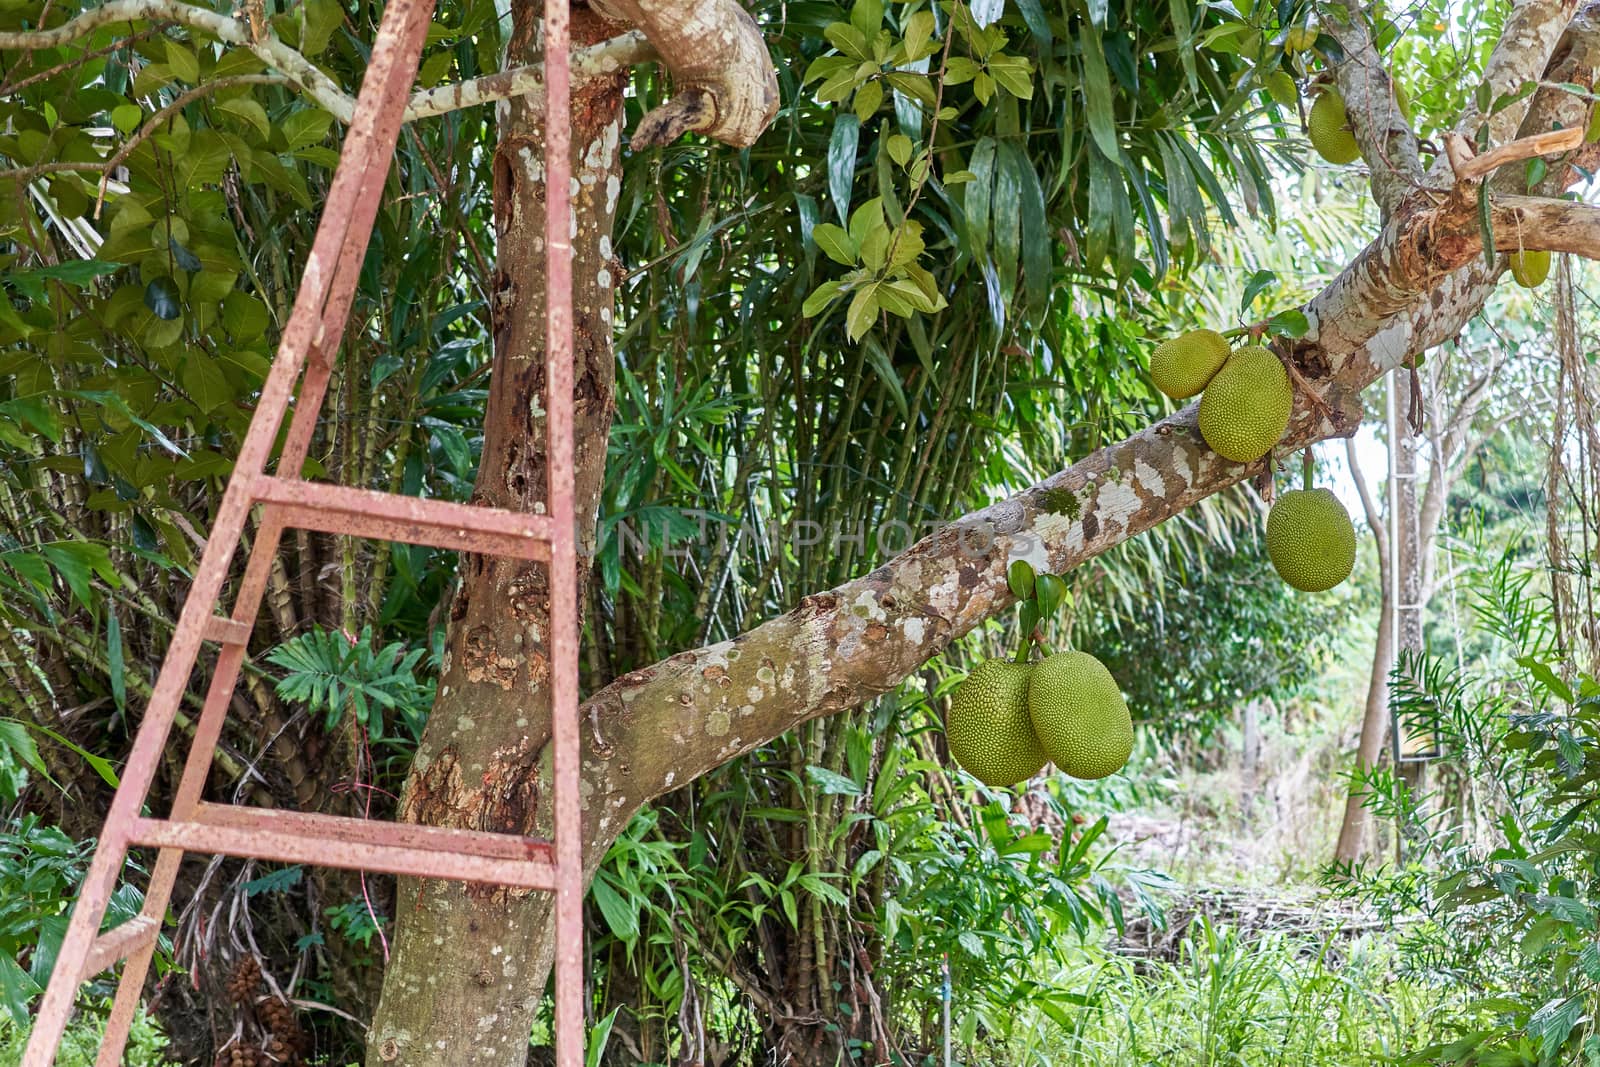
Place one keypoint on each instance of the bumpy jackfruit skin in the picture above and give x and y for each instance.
(988, 728)
(1530, 268)
(1079, 715)
(1310, 539)
(1326, 125)
(1182, 366)
(1246, 407)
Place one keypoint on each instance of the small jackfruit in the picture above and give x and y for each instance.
(1246, 407)
(1079, 715)
(1328, 127)
(1310, 539)
(988, 728)
(1182, 366)
(1530, 268)
(1299, 39)
(1282, 89)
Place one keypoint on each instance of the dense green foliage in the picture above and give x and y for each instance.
(933, 281)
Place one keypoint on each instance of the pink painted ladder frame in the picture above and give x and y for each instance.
(308, 345)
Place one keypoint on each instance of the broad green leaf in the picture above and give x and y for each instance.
(205, 382)
(842, 161)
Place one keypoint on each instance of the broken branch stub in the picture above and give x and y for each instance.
(726, 85)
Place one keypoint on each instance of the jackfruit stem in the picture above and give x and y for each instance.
(1305, 471)
(1025, 652)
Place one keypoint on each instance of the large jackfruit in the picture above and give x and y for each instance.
(1182, 366)
(1246, 407)
(1079, 715)
(988, 727)
(1328, 127)
(1310, 539)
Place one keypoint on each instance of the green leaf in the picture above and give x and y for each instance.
(14, 737)
(1014, 74)
(306, 127)
(862, 312)
(835, 243)
(126, 117)
(842, 161)
(868, 99)
(1486, 224)
(1291, 323)
(1259, 282)
(247, 110)
(1097, 93)
(831, 783)
(884, 368)
(183, 63)
(114, 661)
(867, 16)
(1020, 578)
(1547, 678)
(278, 881)
(820, 298)
(162, 298)
(599, 1037)
(205, 382)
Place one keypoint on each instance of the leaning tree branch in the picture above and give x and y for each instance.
(1403, 294)
(1416, 284)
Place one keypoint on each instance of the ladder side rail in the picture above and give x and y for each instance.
(559, 372)
(404, 25)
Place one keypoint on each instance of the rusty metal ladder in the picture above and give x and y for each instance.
(309, 345)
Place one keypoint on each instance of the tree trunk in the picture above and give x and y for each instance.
(1374, 729)
(469, 962)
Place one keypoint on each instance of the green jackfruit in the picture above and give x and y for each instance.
(1328, 126)
(1182, 366)
(988, 728)
(1310, 539)
(1246, 407)
(1079, 715)
(1530, 268)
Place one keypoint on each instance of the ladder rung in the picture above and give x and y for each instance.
(323, 849)
(119, 943)
(227, 631)
(340, 509)
(400, 834)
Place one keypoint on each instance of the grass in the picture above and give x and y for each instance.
(1269, 1001)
